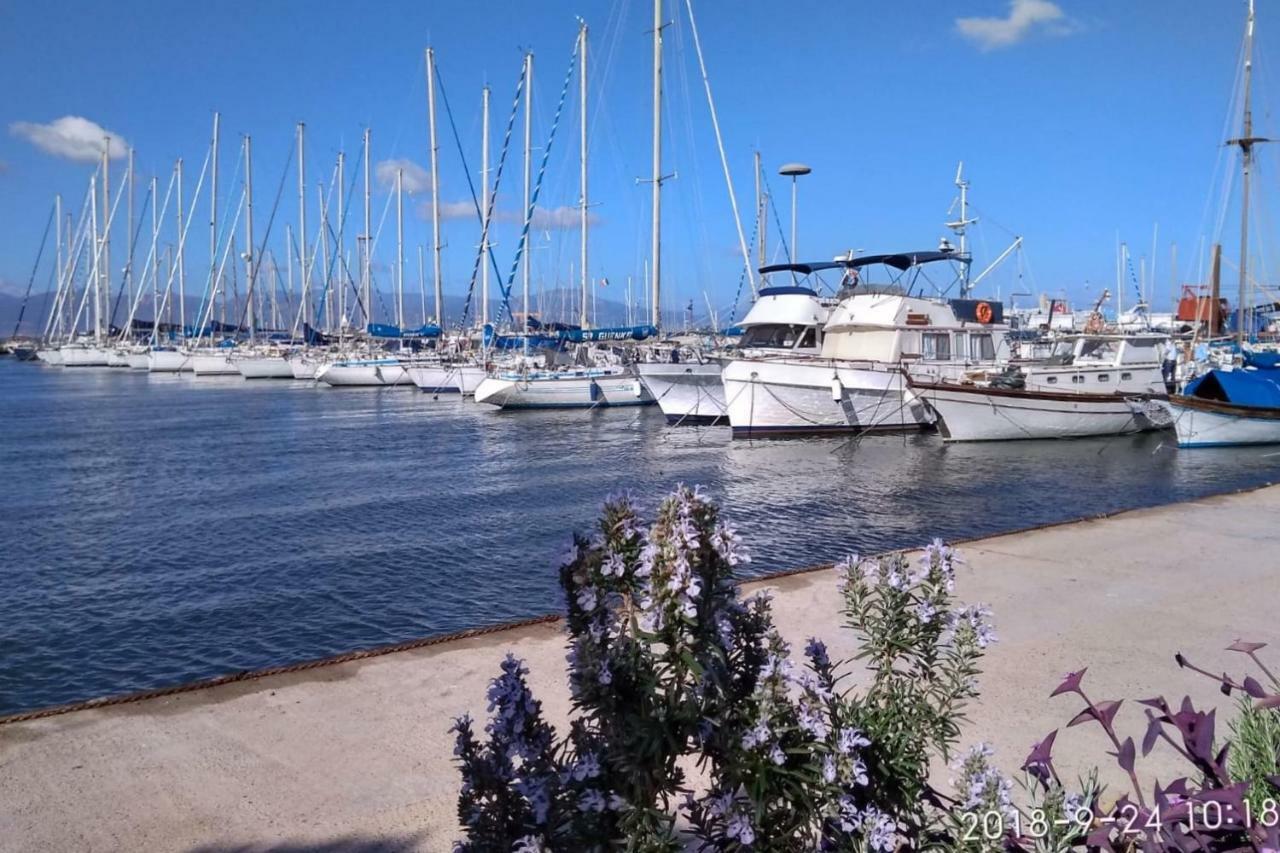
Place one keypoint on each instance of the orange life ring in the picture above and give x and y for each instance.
(984, 312)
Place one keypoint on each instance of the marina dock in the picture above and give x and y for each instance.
(356, 755)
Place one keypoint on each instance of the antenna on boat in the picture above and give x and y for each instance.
(961, 228)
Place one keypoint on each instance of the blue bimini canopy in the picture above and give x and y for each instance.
(1262, 360)
(1255, 389)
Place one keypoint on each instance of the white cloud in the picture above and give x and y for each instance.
(564, 218)
(1024, 18)
(416, 179)
(449, 210)
(72, 137)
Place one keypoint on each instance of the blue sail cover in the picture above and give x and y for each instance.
(387, 330)
(1254, 389)
(615, 333)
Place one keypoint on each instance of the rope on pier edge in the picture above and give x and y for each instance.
(545, 619)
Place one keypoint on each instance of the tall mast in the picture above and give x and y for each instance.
(422, 284)
(656, 250)
(484, 206)
(760, 229)
(435, 185)
(182, 256)
(104, 317)
(342, 240)
(528, 174)
(365, 270)
(1246, 142)
(324, 258)
(155, 263)
(248, 236)
(302, 228)
(213, 218)
(97, 269)
(400, 249)
(582, 161)
(57, 226)
(128, 270)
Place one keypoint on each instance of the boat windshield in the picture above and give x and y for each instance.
(778, 336)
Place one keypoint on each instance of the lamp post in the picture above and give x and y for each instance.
(793, 171)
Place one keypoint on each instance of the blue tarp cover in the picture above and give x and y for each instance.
(1256, 389)
(1265, 360)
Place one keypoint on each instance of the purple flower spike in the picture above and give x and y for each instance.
(1245, 647)
(1070, 684)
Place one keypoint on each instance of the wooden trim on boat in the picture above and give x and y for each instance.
(1023, 394)
(1218, 407)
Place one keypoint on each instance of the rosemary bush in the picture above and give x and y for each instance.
(667, 660)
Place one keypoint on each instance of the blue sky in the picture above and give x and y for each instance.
(1075, 119)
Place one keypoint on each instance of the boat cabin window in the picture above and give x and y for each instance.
(1104, 377)
(1137, 352)
(776, 336)
(981, 348)
(1052, 380)
(1077, 379)
(1125, 377)
(936, 346)
(1098, 350)
(809, 338)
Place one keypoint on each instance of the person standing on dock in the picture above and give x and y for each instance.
(1169, 365)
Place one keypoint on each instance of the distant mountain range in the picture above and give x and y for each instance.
(558, 305)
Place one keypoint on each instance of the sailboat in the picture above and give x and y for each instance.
(1234, 407)
(599, 378)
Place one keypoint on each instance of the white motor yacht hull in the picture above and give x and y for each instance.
(579, 389)
(1207, 423)
(264, 367)
(78, 356)
(970, 413)
(686, 393)
(456, 378)
(767, 397)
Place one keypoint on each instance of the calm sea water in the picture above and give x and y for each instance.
(157, 529)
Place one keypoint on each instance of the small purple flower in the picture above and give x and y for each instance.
(829, 769)
(816, 651)
(591, 801)
(739, 827)
(879, 830)
(777, 756)
(587, 598)
(605, 677)
(851, 739)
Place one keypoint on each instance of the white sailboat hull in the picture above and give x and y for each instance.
(264, 367)
(117, 358)
(1207, 424)
(686, 393)
(213, 364)
(371, 374)
(138, 360)
(304, 367)
(168, 361)
(77, 356)
(446, 378)
(50, 356)
(986, 414)
(570, 390)
(766, 398)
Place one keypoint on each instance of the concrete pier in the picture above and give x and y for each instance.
(356, 756)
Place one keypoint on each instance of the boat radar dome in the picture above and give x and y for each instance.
(793, 169)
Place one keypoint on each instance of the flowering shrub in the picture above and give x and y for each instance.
(667, 660)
